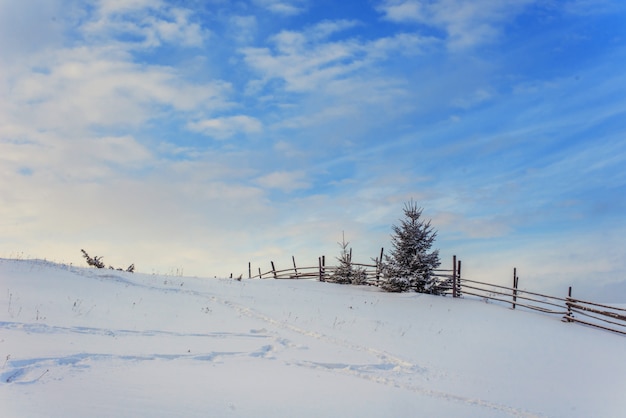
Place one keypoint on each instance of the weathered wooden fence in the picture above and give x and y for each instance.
(321, 271)
(601, 316)
(324, 272)
(595, 315)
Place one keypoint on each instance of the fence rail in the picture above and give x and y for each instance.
(533, 300)
(593, 314)
(595, 317)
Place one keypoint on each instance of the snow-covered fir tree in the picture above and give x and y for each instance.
(346, 272)
(411, 262)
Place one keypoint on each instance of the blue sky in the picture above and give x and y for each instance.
(200, 135)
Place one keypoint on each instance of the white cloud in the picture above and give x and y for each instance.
(327, 28)
(302, 62)
(283, 7)
(150, 23)
(403, 10)
(286, 181)
(590, 7)
(86, 87)
(119, 150)
(243, 28)
(226, 127)
(108, 7)
(477, 97)
(179, 30)
(50, 157)
(466, 22)
(306, 61)
(471, 227)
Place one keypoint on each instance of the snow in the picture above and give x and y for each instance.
(78, 342)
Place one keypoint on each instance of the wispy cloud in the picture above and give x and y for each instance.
(466, 23)
(226, 127)
(243, 28)
(302, 66)
(284, 180)
(82, 88)
(331, 80)
(478, 96)
(283, 7)
(144, 24)
(307, 60)
(591, 7)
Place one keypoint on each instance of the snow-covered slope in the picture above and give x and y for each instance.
(77, 342)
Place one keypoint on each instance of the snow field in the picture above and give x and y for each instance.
(81, 342)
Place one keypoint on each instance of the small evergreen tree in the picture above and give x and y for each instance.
(346, 272)
(411, 263)
(97, 262)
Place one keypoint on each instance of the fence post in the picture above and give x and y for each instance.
(458, 279)
(379, 263)
(515, 281)
(249, 270)
(295, 269)
(260, 277)
(454, 276)
(568, 315)
(273, 269)
(319, 261)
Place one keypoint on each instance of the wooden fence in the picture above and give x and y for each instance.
(602, 316)
(323, 272)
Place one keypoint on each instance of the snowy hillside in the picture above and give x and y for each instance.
(78, 342)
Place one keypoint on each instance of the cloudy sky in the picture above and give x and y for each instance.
(196, 136)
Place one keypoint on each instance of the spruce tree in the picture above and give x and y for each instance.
(411, 263)
(346, 272)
